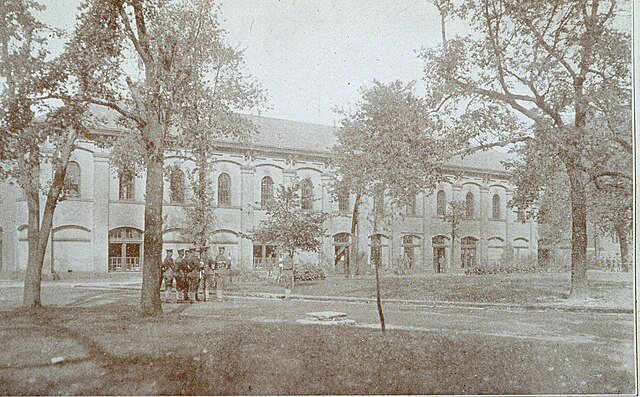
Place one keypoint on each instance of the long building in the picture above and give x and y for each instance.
(99, 227)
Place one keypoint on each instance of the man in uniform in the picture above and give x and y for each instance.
(207, 273)
(287, 275)
(180, 274)
(222, 265)
(167, 273)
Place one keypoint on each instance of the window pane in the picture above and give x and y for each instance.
(224, 190)
(72, 179)
(307, 195)
(177, 186)
(266, 191)
(441, 202)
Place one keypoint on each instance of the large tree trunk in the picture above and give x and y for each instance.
(579, 283)
(152, 261)
(33, 275)
(621, 231)
(354, 237)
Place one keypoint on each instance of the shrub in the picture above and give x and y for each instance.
(520, 265)
(308, 272)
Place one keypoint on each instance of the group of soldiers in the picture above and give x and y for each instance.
(194, 272)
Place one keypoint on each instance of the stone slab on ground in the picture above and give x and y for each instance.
(328, 315)
(308, 321)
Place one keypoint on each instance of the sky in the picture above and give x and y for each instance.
(312, 56)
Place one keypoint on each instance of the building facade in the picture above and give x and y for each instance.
(99, 226)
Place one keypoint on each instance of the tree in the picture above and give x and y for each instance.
(30, 80)
(177, 47)
(288, 226)
(389, 143)
(542, 73)
(455, 213)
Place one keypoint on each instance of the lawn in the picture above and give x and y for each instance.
(607, 288)
(112, 350)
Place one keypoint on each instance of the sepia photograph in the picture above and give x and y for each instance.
(318, 197)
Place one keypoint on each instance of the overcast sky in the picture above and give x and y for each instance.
(313, 55)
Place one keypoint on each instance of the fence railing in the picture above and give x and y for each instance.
(127, 264)
(264, 263)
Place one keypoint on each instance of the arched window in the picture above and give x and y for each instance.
(411, 206)
(176, 185)
(72, 180)
(266, 191)
(343, 202)
(411, 249)
(224, 190)
(495, 205)
(126, 186)
(441, 204)
(470, 206)
(307, 194)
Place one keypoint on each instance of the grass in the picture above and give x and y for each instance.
(609, 289)
(112, 350)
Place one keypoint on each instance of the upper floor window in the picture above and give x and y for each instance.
(441, 202)
(378, 200)
(224, 190)
(126, 186)
(411, 206)
(72, 180)
(495, 206)
(470, 206)
(176, 184)
(307, 194)
(266, 191)
(343, 202)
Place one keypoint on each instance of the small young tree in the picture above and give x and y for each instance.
(455, 213)
(390, 140)
(288, 226)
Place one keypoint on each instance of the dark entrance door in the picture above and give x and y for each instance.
(439, 259)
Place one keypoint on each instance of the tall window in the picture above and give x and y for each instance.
(470, 205)
(266, 189)
(343, 202)
(176, 185)
(127, 186)
(378, 200)
(441, 202)
(495, 205)
(72, 180)
(521, 216)
(307, 194)
(411, 206)
(224, 190)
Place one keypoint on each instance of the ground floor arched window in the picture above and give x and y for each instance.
(469, 248)
(341, 244)
(439, 244)
(125, 249)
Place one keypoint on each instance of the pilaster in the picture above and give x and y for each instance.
(101, 187)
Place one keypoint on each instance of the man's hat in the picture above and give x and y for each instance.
(180, 250)
(170, 250)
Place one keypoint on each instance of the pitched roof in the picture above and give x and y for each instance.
(295, 135)
(288, 134)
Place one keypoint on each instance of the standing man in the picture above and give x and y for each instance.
(222, 269)
(180, 274)
(168, 267)
(208, 275)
